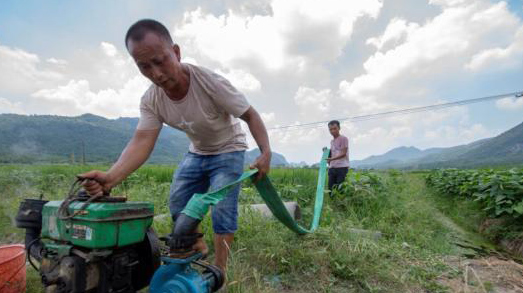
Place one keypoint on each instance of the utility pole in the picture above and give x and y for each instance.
(83, 152)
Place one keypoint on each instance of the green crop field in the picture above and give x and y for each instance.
(500, 192)
(418, 223)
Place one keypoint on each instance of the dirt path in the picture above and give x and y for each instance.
(479, 268)
(484, 274)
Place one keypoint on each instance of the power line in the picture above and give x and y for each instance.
(400, 112)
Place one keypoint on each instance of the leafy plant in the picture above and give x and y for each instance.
(500, 192)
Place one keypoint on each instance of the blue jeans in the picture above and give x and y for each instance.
(199, 173)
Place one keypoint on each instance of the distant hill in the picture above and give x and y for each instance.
(504, 149)
(395, 155)
(276, 159)
(57, 139)
(53, 139)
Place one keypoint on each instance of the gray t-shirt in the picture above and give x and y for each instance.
(207, 114)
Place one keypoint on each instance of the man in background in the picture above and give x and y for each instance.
(339, 156)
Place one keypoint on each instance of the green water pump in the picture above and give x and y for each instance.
(105, 244)
(85, 245)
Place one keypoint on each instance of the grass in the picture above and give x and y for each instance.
(478, 227)
(467, 213)
(266, 257)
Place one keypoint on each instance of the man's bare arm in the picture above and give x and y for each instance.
(257, 128)
(133, 156)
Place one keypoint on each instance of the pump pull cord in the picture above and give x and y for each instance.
(63, 210)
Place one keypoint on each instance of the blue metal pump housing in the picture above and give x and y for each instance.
(177, 275)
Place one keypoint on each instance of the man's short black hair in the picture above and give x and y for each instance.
(334, 122)
(138, 30)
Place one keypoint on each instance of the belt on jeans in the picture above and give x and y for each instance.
(199, 204)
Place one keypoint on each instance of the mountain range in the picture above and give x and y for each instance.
(95, 139)
(505, 149)
(87, 138)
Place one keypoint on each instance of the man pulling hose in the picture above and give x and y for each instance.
(339, 159)
(206, 107)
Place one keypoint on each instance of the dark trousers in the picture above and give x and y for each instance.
(337, 176)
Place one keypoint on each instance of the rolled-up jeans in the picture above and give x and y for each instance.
(201, 173)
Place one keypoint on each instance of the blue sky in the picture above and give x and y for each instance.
(296, 62)
(69, 25)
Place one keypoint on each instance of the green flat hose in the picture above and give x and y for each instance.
(199, 204)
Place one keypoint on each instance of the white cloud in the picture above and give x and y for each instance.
(7, 106)
(109, 49)
(446, 136)
(361, 103)
(293, 32)
(21, 71)
(189, 60)
(449, 3)
(455, 115)
(343, 13)
(395, 32)
(318, 31)
(230, 37)
(509, 56)
(56, 61)
(442, 45)
(242, 80)
(268, 117)
(104, 67)
(510, 103)
(103, 82)
(77, 98)
(364, 141)
(313, 103)
(292, 142)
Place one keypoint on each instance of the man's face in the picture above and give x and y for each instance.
(334, 130)
(157, 60)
